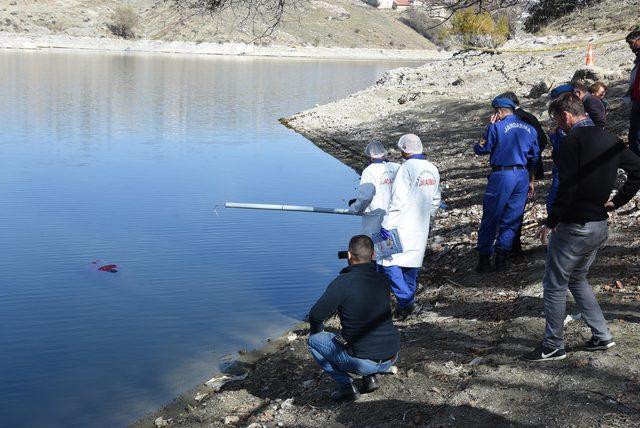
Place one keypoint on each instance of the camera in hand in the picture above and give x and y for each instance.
(343, 254)
(341, 341)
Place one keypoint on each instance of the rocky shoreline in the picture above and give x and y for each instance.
(63, 42)
(459, 361)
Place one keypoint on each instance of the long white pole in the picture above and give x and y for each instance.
(271, 207)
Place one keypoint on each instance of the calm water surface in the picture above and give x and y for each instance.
(123, 158)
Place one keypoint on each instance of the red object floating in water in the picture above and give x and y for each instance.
(109, 268)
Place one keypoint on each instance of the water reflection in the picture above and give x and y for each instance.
(123, 158)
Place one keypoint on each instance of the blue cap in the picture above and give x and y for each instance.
(562, 89)
(503, 103)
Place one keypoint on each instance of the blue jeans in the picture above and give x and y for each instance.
(553, 190)
(403, 282)
(337, 363)
(502, 209)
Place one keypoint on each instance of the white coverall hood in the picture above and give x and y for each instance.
(410, 143)
(374, 194)
(375, 150)
(415, 199)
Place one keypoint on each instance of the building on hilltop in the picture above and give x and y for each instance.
(390, 4)
(402, 4)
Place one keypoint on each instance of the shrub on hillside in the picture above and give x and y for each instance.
(429, 28)
(124, 21)
(479, 29)
(545, 11)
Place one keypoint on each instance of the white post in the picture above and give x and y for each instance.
(271, 207)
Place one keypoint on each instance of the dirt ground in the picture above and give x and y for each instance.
(460, 362)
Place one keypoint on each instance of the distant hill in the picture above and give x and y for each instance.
(339, 23)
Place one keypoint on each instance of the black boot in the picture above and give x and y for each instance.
(484, 263)
(347, 392)
(501, 260)
(369, 384)
(407, 311)
(516, 250)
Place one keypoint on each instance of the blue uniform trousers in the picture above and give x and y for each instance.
(502, 209)
(403, 282)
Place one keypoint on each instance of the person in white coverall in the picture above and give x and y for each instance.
(374, 192)
(415, 199)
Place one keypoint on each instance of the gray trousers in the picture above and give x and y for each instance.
(572, 250)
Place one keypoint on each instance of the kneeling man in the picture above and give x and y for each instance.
(368, 342)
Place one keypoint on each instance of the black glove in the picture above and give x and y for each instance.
(352, 201)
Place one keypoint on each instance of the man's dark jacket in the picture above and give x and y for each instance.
(530, 119)
(361, 295)
(596, 110)
(588, 165)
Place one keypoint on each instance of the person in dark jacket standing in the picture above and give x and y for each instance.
(599, 89)
(593, 106)
(633, 95)
(588, 163)
(532, 120)
(555, 137)
(369, 342)
(512, 147)
(529, 118)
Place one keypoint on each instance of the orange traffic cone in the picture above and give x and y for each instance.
(589, 60)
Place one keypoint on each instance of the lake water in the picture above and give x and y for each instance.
(123, 159)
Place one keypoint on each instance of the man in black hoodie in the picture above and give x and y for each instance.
(588, 165)
(529, 118)
(369, 342)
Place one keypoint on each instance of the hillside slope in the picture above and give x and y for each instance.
(606, 16)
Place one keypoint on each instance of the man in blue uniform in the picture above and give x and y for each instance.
(512, 146)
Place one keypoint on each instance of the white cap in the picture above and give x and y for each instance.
(410, 143)
(376, 150)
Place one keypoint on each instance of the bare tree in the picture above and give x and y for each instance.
(445, 9)
(264, 15)
(270, 12)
